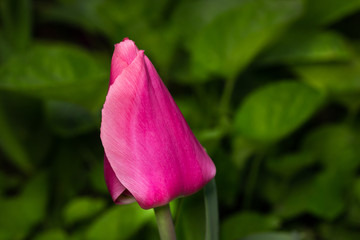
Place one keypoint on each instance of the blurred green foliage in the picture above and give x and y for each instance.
(270, 87)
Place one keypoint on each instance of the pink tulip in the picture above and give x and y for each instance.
(151, 155)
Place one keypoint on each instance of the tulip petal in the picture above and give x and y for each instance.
(149, 146)
(125, 52)
(117, 191)
(113, 184)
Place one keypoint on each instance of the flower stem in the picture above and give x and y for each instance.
(211, 211)
(226, 96)
(165, 222)
(7, 21)
(178, 211)
(252, 179)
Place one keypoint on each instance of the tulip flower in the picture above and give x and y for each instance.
(151, 155)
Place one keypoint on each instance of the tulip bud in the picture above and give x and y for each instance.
(151, 155)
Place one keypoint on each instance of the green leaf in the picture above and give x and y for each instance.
(54, 71)
(53, 234)
(104, 16)
(273, 236)
(341, 81)
(198, 14)
(82, 208)
(327, 197)
(244, 223)
(79, 13)
(296, 201)
(11, 145)
(308, 47)
(322, 196)
(339, 231)
(322, 12)
(154, 40)
(22, 212)
(67, 119)
(352, 217)
(274, 111)
(273, 188)
(136, 19)
(24, 117)
(333, 78)
(288, 165)
(337, 146)
(119, 222)
(233, 39)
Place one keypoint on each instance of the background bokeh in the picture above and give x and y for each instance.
(269, 87)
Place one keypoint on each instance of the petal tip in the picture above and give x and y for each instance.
(126, 46)
(124, 54)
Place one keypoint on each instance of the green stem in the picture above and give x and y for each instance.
(11, 146)
(226, 96)
(178, 211)
(23, 24)
(211, 211)
(165, 222)
(6, 18)
(252, 179)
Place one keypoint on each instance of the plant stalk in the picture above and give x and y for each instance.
(211, 211)
(165, 222)
(226, 96)
(251, 181)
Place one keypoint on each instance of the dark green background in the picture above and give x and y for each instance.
(269, 87)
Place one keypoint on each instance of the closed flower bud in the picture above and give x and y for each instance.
(151, 155)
